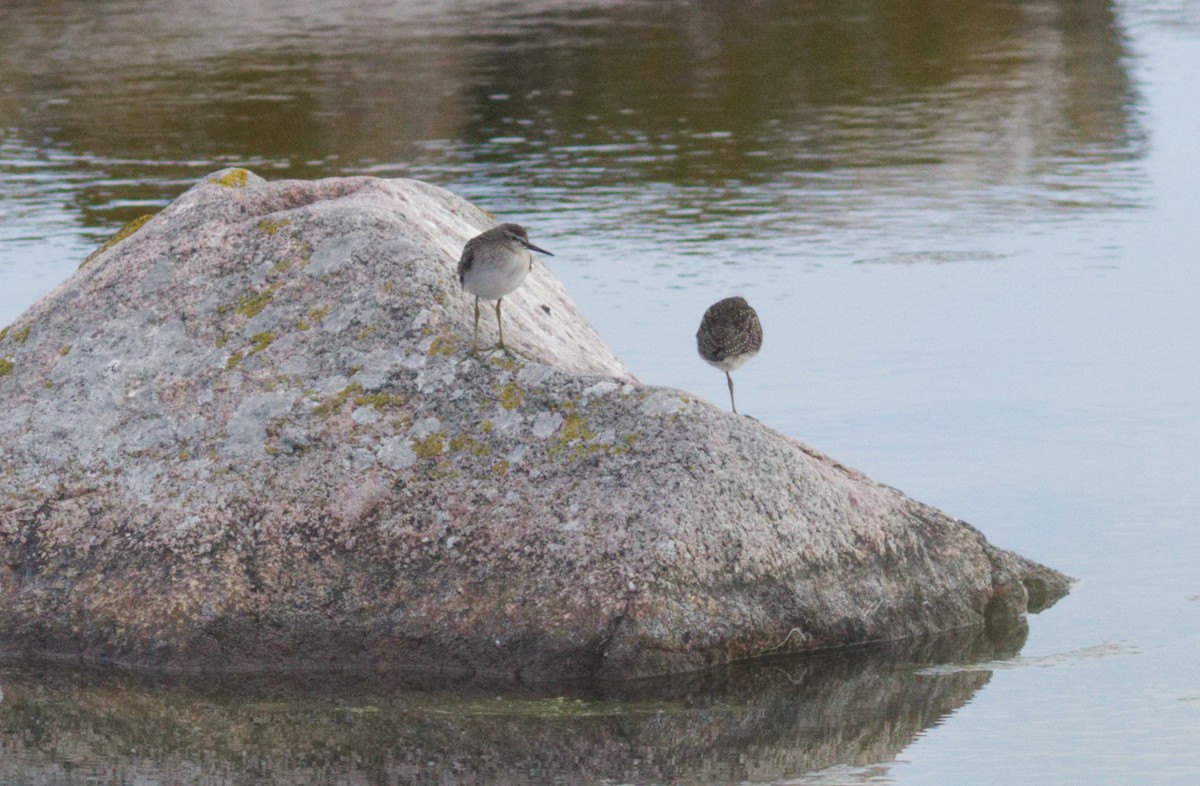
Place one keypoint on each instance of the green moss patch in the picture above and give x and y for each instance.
(260, 341)
(510, 396)
(575, 427)
(234, 178)
(313, 316)
(270, 226)
(335, 402)
(252, 303)
(6, 366)
(505, 362)
(576, 439)
(464, 442)
(379, 400)
(431, 446)
(121, 234)
(442, 345)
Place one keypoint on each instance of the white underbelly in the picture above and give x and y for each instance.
(732, 362)
(494, 281)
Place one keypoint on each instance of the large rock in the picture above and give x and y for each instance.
(251, 434)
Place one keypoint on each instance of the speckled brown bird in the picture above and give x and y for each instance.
(729, 335)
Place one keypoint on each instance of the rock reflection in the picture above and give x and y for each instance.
(750, 722)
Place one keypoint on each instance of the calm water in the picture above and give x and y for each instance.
(970, 229)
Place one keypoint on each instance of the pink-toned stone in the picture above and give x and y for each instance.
(252, 435)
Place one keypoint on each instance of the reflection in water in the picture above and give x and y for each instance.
(745, 723)
(751, 121)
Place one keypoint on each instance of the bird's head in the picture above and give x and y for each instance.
(517, 234)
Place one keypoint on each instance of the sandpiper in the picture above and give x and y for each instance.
(729, 335)
(494, 264)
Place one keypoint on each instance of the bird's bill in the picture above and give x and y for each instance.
(532, 247)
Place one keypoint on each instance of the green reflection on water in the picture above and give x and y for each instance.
(143, 96)
(748, 722)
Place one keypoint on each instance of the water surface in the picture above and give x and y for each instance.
(750, 722)
(970, 231)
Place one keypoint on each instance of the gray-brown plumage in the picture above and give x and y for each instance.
(729, 335)
(494, 264)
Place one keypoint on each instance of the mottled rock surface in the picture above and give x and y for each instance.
(251, 434)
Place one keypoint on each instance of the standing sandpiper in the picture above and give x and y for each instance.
(494, 264)
(729, 335)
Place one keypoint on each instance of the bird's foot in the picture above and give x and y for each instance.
(508, 351)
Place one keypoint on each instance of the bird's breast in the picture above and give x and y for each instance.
(494, 277)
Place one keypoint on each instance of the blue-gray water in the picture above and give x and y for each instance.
(971, 229)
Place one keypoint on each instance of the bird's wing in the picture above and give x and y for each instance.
(464, 263)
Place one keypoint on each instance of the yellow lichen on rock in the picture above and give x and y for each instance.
(379, 400)
(261, 341)
(430, 447)
(270, 226)
(251, 304)
(505, 362)
(335, 402)
(121, 234)
(234, 178)
(575, 427)
(510, 396)
(442, 345)
(464, 442)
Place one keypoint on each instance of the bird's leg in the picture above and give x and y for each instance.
(728, 377)
(500, 322)
(475, 341)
